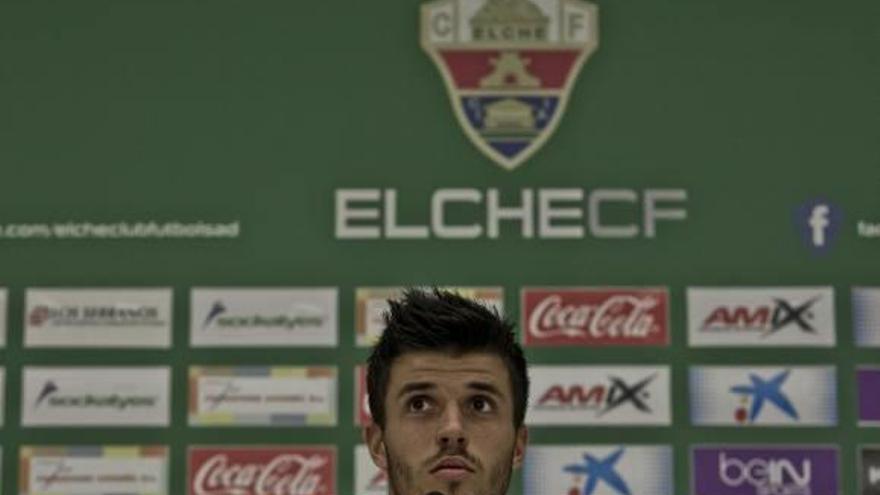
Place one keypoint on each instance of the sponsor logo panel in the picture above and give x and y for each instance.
(368, 478)
(509, 67)
(766, 470)
(595, 316)
(115, 317)
(95, 470)
(866, 316)
(262, 396)
(598, 470)
(2, 395)
(596, 395)
(262, 470)
(372, 303)
(869, 470)
(869, 396)
(96, 396)
(4, 297)
(763, 395)
(264, 317)
(362, 415)
(761, 317)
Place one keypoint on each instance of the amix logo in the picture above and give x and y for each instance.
(767, 319)
(602, 398)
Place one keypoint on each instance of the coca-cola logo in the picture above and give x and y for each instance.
(595, 317)
(262, 471)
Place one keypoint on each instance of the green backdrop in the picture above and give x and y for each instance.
(259, 111)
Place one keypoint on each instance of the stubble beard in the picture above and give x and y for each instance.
(401, 476)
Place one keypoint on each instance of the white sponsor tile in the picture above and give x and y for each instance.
(763, 395)
(96, 396)
(599, 395)
(263, 396)
(4, 318)
(607, 469)
(2, 395)
(94, 470)
(761, 317)
(108, 317)
(866, 316)
(264, 317)
(372, 302)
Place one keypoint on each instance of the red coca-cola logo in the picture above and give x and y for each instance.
(262, 471)
(595, 317)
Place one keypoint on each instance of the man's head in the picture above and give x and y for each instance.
(448, 390)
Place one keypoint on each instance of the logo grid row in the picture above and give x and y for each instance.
(550, 317)
(555, 469)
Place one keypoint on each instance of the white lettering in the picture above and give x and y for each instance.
(601, 196)
(345, 213)
(373, 214)
(620, 316)
(289, 474)
(392, 229)
(438, 213)
(763, 473)
(523, 213)
(547, 213)
(652, 213)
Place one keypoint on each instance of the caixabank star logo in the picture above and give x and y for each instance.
(509, 66)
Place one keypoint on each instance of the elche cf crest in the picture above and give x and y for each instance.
(509, 66)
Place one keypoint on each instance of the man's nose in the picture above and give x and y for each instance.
(451, 434)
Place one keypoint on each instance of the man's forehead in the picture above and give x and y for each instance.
(432, 365)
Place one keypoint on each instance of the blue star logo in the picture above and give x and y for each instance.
(597, 470)
(762, 391)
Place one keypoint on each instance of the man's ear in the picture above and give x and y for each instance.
(519, 446)
(375, 440)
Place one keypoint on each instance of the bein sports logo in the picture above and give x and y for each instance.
(766, 470)
(767, 476)
(759, 392)
(818, 222)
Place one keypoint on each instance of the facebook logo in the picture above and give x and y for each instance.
(818, 222)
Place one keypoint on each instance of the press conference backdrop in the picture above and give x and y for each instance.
(204, 204)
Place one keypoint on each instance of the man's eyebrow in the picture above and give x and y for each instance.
(486, 387)
(415, 387)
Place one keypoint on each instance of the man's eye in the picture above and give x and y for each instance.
(482, 404)
(418, 404)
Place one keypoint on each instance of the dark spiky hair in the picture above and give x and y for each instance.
(439, 320)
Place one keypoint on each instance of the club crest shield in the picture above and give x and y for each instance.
(509, 66)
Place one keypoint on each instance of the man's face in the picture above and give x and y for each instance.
(448, 426)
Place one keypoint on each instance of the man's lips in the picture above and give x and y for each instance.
(452, 469)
